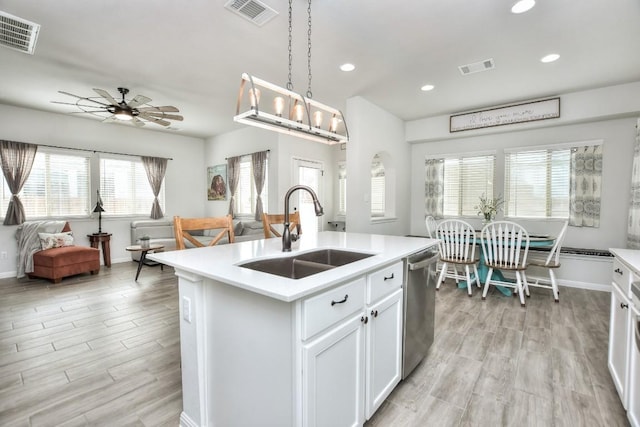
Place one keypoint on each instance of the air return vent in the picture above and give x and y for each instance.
(476, 67)
(17, 33)
(253, 10)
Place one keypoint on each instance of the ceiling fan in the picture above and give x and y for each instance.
(136, 110)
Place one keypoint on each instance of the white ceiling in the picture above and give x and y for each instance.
(191, 54)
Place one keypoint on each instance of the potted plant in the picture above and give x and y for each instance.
(144, 241)
(489, 208)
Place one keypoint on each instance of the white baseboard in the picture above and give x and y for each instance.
(186, 421)
(8, 274)
(585, 285)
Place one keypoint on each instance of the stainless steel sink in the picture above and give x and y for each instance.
(333, 257)
(305, 264)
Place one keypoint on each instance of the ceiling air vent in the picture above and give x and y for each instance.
(17, 33)
(476, 67)
(253, 10)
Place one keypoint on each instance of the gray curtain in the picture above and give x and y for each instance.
(259, 166)
(633, 227)
(434, 188)
(233, 169)
(17, 159)
(585, 186)
(156, 167)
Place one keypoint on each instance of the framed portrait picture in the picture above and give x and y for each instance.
(217, 182)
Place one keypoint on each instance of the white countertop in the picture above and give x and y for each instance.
(629, 257)
(220, 262)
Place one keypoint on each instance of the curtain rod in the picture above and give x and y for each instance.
(242, 155)
(99, 151)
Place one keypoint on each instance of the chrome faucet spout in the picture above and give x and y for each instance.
(286, 233)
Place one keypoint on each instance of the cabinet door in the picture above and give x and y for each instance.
(383, 350)
(333, 376)
(619, 340)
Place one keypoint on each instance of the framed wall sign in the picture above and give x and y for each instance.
(507, 115)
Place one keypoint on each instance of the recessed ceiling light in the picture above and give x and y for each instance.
(522, 6)
(347, 67)
(427, 88)
(550, 58)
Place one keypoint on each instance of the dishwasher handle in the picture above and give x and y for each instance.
(419, 265)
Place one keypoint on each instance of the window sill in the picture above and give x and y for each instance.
(383, 219)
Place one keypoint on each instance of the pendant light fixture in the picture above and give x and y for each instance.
(272, 107)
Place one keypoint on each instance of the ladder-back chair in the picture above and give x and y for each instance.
(550, 262)
(183, 226)
(268, 222)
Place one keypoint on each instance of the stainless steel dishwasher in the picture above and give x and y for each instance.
(419, 307)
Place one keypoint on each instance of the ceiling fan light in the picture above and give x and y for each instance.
(123, 115)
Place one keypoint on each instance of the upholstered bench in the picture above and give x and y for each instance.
(56, 263)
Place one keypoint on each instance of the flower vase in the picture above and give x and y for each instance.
(487, 220)
(144, 243)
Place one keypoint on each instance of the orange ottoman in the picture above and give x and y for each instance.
(56, 263)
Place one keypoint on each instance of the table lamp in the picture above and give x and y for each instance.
(99, 209)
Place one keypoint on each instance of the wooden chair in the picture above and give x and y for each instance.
(268, 222)
(457, 246)
(182, 227)
(431, 224)
(505, 246)
(550, 262)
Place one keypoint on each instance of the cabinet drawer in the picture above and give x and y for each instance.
(324, 310)
(385, 281)
(623, 277)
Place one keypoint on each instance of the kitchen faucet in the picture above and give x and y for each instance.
(287, 237)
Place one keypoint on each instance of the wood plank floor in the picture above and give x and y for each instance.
(104, 350)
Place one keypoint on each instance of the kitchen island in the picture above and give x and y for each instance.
(260, 349)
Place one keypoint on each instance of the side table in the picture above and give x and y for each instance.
(143, 254)
(105, 239)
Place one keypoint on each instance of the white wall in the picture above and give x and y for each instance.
(185, 179)
(373, 130)
(284, 148)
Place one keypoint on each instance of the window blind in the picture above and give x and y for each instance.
(378, 184)
(58, 185)
(342, 189)
(125, 189)
(537, 183)
(465, 180)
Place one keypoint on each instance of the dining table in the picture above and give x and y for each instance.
(535, 241)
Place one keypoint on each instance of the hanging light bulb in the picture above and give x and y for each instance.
(298, 112)
(333, 126)
(254, 97)
(278, 105)
(317, 119)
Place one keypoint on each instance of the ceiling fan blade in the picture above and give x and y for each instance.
(138, 100)
(81, 97)
(105, 95)
(75, 104)
(155, 120)
(137, 122)
(89, 111)
(164, 109)
(162, 116)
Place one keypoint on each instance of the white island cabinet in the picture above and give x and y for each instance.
(259, 349)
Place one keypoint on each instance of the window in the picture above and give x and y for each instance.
(342, 188)
(125, 188)
(537, 183)
(58, 186)
(246, 193)
(465, 180)
(378, 184)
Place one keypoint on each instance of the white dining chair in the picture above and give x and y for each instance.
(457, 246)
(550, 262)
(431, 224)
(505, 246)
